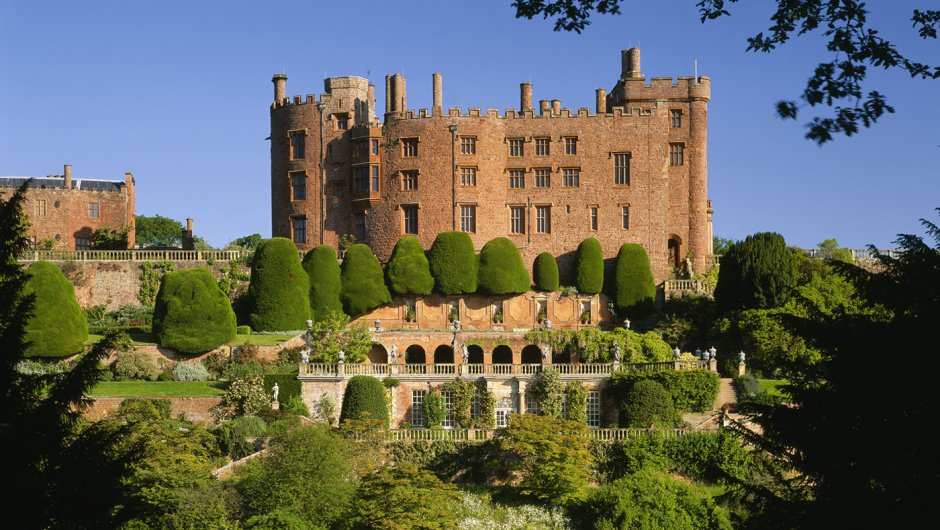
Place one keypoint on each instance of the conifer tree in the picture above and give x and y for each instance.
(325, 285)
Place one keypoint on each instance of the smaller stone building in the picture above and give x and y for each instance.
(69, 210)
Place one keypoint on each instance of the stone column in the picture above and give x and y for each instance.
(521, 389)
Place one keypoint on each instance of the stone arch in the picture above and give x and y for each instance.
(561, 357)
(476, 354)
(531, 354)
(444, 354)
(502, 354)
(414, 354)
(378, 354)
(674, 247)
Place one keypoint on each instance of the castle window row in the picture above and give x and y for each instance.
(518, 219)
(505, 405)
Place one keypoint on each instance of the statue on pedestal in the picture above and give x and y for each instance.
(275, 391)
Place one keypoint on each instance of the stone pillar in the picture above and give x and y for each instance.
(556, 107)
(370, 111)
(131, 219)
(696, 157)
(521, 388)
(388, 93)
(525, 97)
(280, 87)
(600, 106)
(630, 64)
(399, 95)
(68, 176)
(544, 107)
(437, 107)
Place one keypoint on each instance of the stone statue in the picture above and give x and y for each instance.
(341, 355)
(676, 353)
(465, 353)
(305, 356)
(741, 357)
(393, 353)
(546, 351)
(275, 391)
(617, 353)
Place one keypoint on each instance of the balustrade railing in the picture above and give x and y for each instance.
(698, 286)
(479, 435)
(598, 370)
(133, 255)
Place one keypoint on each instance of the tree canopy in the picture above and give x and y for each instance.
(363, 281)
(156, 230)
(191, 314)
(408, 271)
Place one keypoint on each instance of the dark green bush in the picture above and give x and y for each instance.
(57, 327)
(101, 330)
(634, 290)
(243, 330)
(364, 399)
(501, 270)
(757, 273)
(279, 292)
(647, 403)
(589, 267)
(408, 271)
(288, 386)
(135, 365)
(363, 281)
(453, 263)
(191, 314)
(691, 391)
(545, 272)
(717, 458)
(325, 285)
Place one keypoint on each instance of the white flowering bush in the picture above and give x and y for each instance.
(478, 512)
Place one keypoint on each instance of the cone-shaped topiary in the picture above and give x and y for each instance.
(757, 273)
(453, 263)
(634, 290)
(191, 314)
(589, 267)
(57, 327)
(408, 270)
(279, 292)
(501, 269)
(646, 403)
(364, 399)
(323, 272)
(545, 272)
(363, 281)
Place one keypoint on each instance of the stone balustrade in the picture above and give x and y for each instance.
(520, 371)
(479, 435)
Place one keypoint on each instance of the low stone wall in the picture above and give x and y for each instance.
(195, 409)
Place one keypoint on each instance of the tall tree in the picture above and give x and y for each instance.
(757, 273)
(157, 230)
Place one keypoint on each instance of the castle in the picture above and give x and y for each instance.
(633, 170)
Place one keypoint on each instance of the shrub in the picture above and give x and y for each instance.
(408, 271)
(576, 398)
(647, 402)
(634, 290)
(145, 409)
(716, 458)
(288, 386)
(757, 273)
(244, 396)
(691, 391)
(589, 267)
(279, 292)
(406, 497)
(131, 365)
(279, 520)
(545, 272)
(453, 263)
(501, 270)
(243, 330)
(57, 326)
(296, 405)
(191, 372)
(323, 272)
(631, 455)
(435, 410)
(549, 392)
(166, 375)
(363, 282)
(364, 399)
(636, 347)
(191, 314)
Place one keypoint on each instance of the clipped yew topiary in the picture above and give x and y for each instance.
(589, 267)
(325, 285)
(647, 403)
(191, 314)
(279, 292)
(57, 327)
(453, 263)
(634, 290)
(364, 399)
(501, 269)
(408, 271)
(545, 272)
(757, 273)
(363, 281)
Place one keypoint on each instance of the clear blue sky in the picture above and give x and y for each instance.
(178, 94)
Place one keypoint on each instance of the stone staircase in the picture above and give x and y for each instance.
(709, 419)
(726, 394)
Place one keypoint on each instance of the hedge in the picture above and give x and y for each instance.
(101, 330)
(364, 398)
(692, 391)
(408, 271)
(545, 272)
(363, 281)
(501, 270)
(757, 273)
(191, 314)
(57, 326)
(589, 267)
(288, 386)
(453, 263)
(325, 285)
(634, 290)
(647, 402)
(243, 330)
(279, 292)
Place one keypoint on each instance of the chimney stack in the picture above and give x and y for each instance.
(189, 225)
(68, 176)
(601, 106)
(280, 87)
(544, 106)
(630, 64)
(437, 107)
(556, 107)
(399, 97)
(525, 97)
(370, 112)
(388, 93)
(189, 242)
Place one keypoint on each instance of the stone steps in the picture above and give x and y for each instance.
(726, 394)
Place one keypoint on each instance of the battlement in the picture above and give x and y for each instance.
(668, 88)
(514, 114)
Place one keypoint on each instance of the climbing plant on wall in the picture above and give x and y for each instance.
(151, 272)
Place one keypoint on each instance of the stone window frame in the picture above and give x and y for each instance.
(360, 147)
(539, 208)
(94, 210)
(340, 121)
(361, 178)
(409, 147)
(622, 173)
(405, 208)
(418, 418)
(594, 217)
(468, 144)
(360, 228)
(468, 176)
(409, 179)
(571, 144)
(543, 145)
(292, 145)
(468, 217)
(676, 153)
(339, 190)
(675, 118)
(82, 243)
(547, 176)
(514, 174)
(40, 207)
(294, 233)
(572, 180)
(291, 175)
(521, 208)
(594, 409)
(374, 146)
(625, 216)
(375, 178)
(516, 146)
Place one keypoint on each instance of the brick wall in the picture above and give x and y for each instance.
(195, 409)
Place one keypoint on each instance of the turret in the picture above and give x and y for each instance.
(630, 64)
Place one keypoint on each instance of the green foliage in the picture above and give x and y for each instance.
(191, 372)
(233, 278)
(631, 455)
(363, 281)
(487, 417)
(647, 403)
(589, 267)
(151, 272)
(57, 326)
(721, 245)
(406, 497)
(685, 321)
(249, 242)
(156, 230)
(594, 345)
(634, 290)
(191, 314)
(576, 397)
(501, 270)
(715, 458)
(762, 333)
(453, 263)
(364, 399)
(145, 409)
(279, 520)
(325, 284)
(105, 239)
(288, 386)
(545, 272)
(278, 295)
(757, 273)
(135, 365)
(332, 334)
(296, 405)
(690, 391)
(463, 392)
(434, 408)
(549, 393)
(243, 330)
(653, 499)
(408, 271)
(550, 455)
(245, 396)
(829, 250)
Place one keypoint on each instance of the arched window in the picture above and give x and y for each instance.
(531, 354)
(378, 354)
(414, 355)
(502, 354)
(674, 245)
(476, 354)
(444, 354)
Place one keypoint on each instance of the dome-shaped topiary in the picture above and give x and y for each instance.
(191, 314)
(646, 403)
(57, 327)
(545, 272)
(454, 263)
(325, 285)
(501, 269)
(364, 399)
(408, 271)
(634, 290)
(589, 267)
(279, 292)
(363, 281)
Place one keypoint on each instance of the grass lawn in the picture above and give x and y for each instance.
(158, 388)
(772, 387)
(264, 340)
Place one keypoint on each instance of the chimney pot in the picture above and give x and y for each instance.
(525, 96)
(280, 87)
(68, 176)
